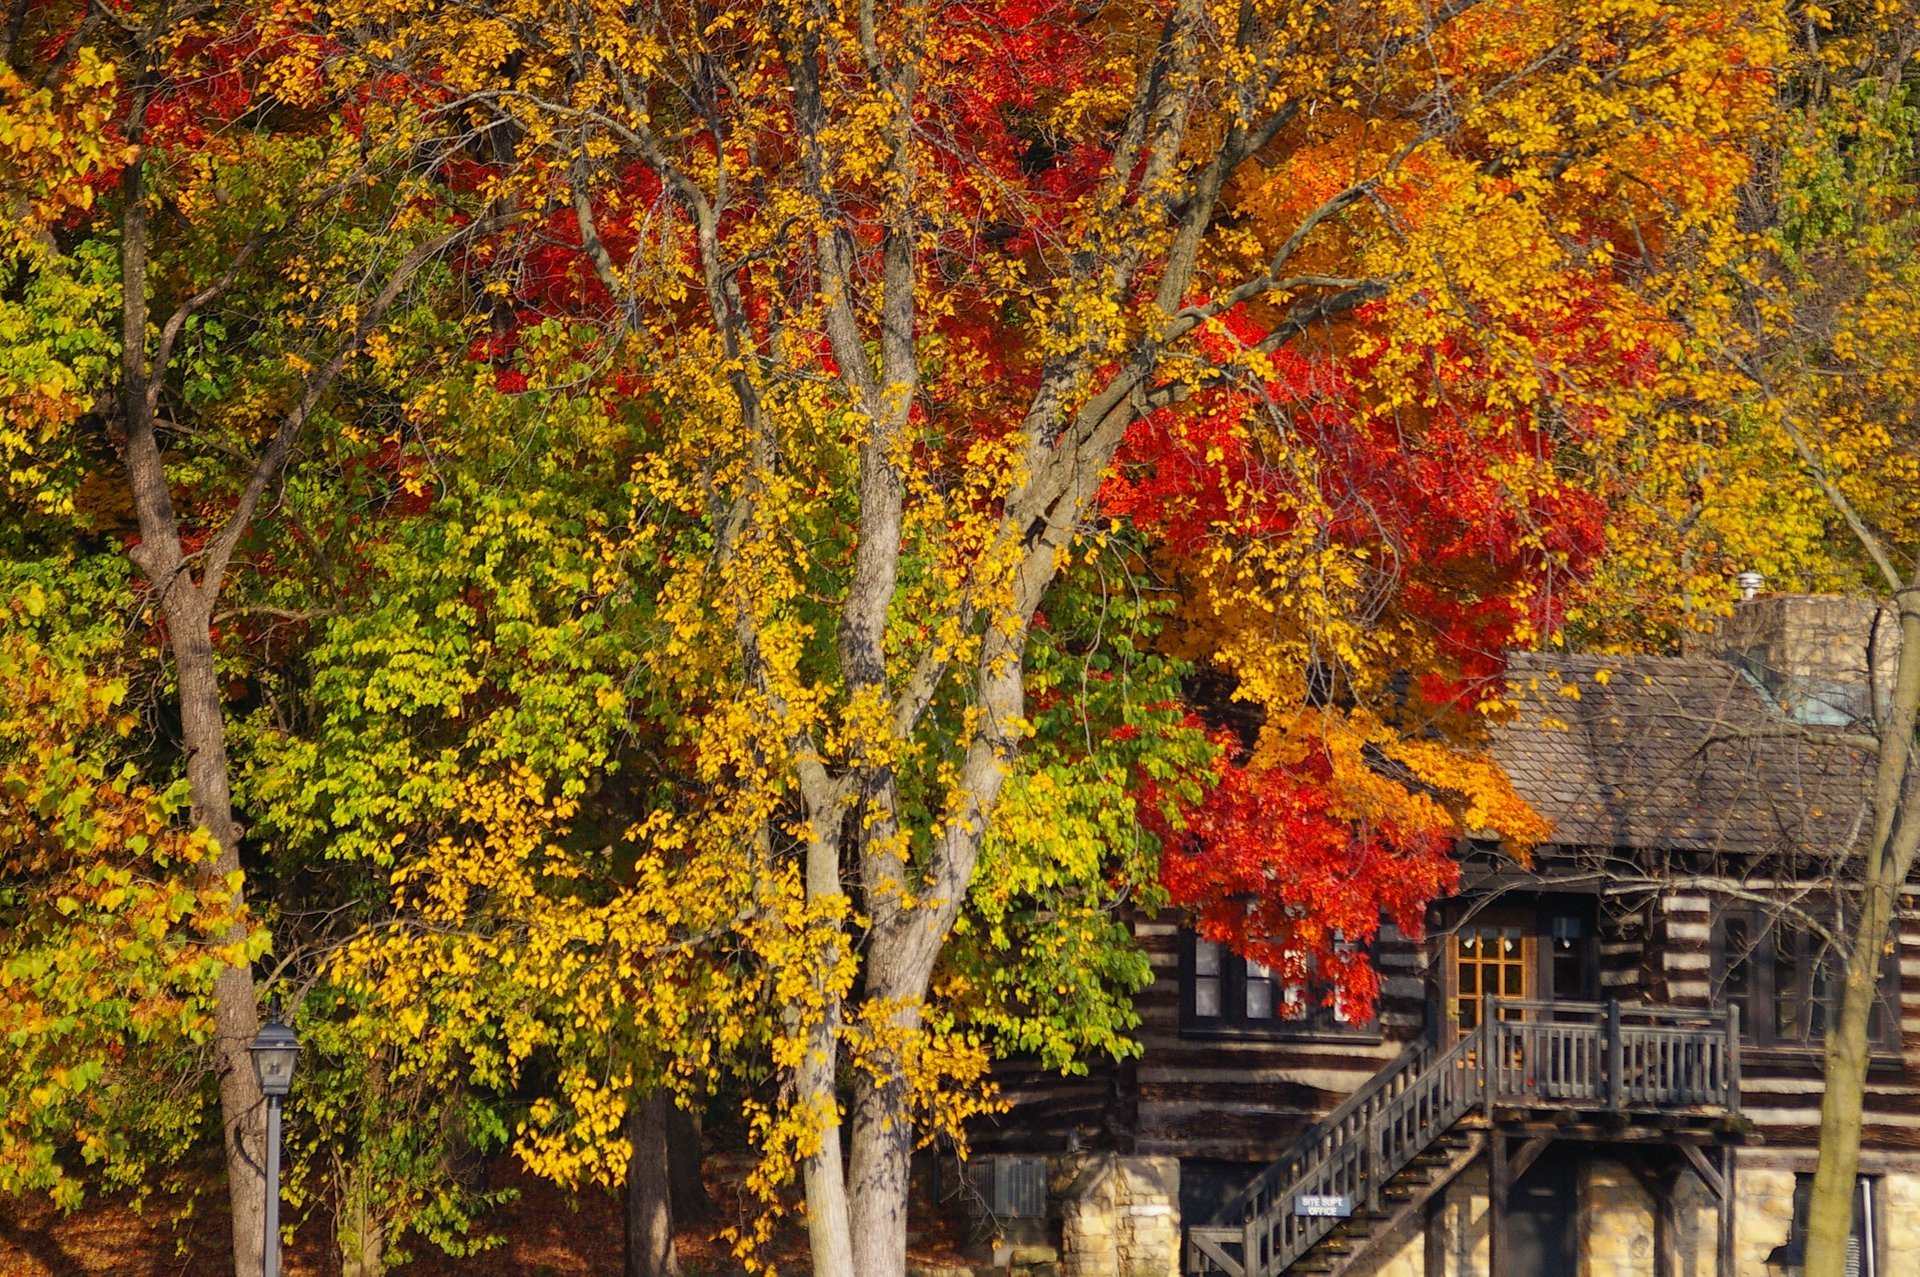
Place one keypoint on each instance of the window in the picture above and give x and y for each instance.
(1785, 981)
(1863, 1245)
(1570, 973)
(1223, 992)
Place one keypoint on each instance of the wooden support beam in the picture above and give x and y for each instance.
(1435, 1264)
(1499, 1185)
(1525, 1156)
(1709, 1174)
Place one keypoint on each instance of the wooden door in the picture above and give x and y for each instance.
(1542, 1217)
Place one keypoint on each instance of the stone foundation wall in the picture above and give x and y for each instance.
(1763, 1214)
(1616, 1218)
(1119, 1216)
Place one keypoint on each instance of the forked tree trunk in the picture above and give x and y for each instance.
(189, 632)
(649, 1212)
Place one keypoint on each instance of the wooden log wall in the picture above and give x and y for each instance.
(1218, 1096)
(1781, 1086)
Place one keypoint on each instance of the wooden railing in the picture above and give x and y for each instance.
(1611, 1055)
(1569, 1055)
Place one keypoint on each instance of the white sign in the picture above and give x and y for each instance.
(1323, 1206)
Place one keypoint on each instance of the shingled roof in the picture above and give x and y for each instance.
(1676, 753)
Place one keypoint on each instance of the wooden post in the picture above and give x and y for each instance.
(1370, 1163)
(1615, 1054)
(1733, 1057)
(1436, 1257)
(1726, 1267)
(1499, 1184)
(1488, 1079)
(1666, 1188)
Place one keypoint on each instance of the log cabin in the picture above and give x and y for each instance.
(1601, 1061)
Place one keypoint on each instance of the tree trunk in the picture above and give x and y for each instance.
(1830, 1204)
(882, 1124)
(649, 1212)
(189, 620)
(882, 1150)
(823, 1177)
(236, 1003)
(686, 1189)
(1888, 860)
(358, 1232)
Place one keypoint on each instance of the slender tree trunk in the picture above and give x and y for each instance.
(649, 1212)
(1888, 861)
(236, 1010)
(189, 621)
(1830, 1204)
(823, 1177)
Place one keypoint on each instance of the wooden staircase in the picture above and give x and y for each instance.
(1398, 1141)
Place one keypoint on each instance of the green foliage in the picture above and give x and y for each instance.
(57, 345)
(1043, 958)
(399, 1152)
(112, 927)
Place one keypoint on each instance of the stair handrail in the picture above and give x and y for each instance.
(1273, 1236)
(1234, 1211)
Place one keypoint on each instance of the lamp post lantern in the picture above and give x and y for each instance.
(275, 1052)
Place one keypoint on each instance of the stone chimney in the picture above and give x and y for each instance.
(1818, 655)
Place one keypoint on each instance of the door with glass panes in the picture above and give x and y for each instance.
(1531, 955)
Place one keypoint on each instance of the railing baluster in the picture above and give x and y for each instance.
(1614, 1049)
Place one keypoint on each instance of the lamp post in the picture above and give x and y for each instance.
(275, 1052)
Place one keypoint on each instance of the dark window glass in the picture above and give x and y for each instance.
(1784, 980)
(1566, 935)
(1736, 984)
(1221, 991)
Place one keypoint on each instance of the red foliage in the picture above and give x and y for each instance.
(1273, 863)
(1270, 866)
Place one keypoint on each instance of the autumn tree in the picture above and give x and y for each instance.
(902, 282)
(114, 929)
(204, 231)
(1823, 341)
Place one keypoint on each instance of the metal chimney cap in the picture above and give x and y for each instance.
(1750, 583)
